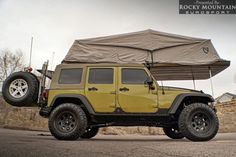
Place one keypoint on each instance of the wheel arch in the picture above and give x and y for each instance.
(189, 98)
(78, 99)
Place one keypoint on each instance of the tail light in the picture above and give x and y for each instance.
(45, 94)
(28, 69)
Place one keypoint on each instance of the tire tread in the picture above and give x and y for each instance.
(82, 122)
(185, 114)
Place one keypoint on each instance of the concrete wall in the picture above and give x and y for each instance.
(28, 118)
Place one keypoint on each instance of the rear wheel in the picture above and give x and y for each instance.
(90, 133)
(67, 122)
(20, 89)
(173, 132)
(198, 122)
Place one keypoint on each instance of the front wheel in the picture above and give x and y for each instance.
(198, 122)
(173, 132)
(67, 122)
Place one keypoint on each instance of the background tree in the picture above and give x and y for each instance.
(10, 62)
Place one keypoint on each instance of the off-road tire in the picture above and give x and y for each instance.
(90, 133)
(80, 122)
(31, 95)
(190, 129)
(173, 132)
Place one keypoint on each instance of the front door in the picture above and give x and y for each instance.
(134, 96)
(100, 88)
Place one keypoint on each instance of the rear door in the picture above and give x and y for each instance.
(100, 88)
(134, 96)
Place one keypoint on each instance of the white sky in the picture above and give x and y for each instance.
(55, 24)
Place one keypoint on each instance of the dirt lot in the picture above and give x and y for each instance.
(16, 143)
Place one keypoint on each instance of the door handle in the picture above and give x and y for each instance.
(124, 89)
(92, 89)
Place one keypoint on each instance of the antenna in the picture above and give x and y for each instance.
(212, 90)
(31, 49)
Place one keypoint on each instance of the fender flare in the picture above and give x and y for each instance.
(82, 98)
(178, 100)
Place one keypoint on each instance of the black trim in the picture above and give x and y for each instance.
(127, 120)
(160, 112)
(176, 103)
(119, 111)
(78, 96)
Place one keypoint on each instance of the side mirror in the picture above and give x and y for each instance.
(149, 81)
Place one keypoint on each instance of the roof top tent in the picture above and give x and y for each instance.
(169, 56)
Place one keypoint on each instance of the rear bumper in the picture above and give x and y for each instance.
(45, 111)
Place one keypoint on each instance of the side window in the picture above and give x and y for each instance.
(100, 76)
(134, 76)
(70, 76)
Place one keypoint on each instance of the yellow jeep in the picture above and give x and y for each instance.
(84, 97)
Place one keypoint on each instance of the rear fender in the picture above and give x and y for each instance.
(72, 98)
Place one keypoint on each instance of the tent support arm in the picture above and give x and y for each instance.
(194, 85)
(152, 58)
(150, 65)
(212, 90)
(162, 88)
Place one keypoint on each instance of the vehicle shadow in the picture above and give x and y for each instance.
(116, 139)
(122, 139)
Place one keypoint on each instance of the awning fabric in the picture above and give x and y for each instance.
(172, 57)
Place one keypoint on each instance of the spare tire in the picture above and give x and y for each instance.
(21, 89)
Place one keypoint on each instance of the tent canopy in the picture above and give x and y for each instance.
(170, 56)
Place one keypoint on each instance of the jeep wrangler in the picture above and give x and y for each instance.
(85, 97)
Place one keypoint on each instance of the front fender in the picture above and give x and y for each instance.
(195, 97)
